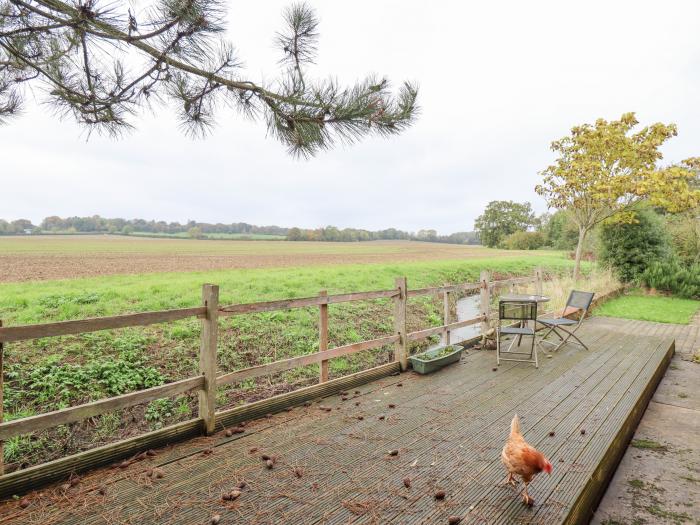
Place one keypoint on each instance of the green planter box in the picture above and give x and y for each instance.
(428, 362)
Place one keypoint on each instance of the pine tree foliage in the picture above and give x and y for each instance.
(101, 64)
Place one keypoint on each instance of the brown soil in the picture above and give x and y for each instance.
(46, 260)
(15, 268)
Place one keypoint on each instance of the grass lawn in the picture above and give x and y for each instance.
(651, 308)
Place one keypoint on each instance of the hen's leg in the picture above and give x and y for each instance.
(510, 481)
(526, 497)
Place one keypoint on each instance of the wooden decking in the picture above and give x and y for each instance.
(333, 467)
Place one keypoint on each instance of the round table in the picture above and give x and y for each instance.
(523, 297)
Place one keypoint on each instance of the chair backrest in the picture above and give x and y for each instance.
(517, 310)
(580, 300)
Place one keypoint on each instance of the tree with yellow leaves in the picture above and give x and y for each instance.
(603, 170)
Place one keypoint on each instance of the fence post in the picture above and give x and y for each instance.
(401, 348)
(446, 318)
(207, 356)
(323, 336)
(538, 280)
(485, 300)
(2, 414)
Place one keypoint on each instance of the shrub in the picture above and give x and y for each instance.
(61, 384)
(56, 384)
(561, 233)
(523, 241)
(629, 248)
(684, 229)
(671, 276)
(196, 233)
(159, 411)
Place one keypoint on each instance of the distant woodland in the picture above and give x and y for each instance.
(236, 230)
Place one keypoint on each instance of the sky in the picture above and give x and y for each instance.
(498, 82)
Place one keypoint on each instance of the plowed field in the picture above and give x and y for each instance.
(70, 257)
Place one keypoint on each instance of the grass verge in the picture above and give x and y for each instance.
(41, 301)
(637, 305)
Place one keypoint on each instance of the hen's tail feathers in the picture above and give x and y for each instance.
(515, 425)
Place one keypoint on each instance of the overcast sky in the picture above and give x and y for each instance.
(498, 82)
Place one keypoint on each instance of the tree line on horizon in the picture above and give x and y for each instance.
(201, 230)
(97, 224)
(333, 234)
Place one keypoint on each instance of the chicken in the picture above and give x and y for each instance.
(522, 459)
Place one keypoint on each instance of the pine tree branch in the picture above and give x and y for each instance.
(41, 35)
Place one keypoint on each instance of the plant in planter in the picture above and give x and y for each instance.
(432, 360)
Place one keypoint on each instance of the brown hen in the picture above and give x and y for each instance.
(522, 459)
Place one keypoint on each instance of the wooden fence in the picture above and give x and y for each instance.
(207, 381)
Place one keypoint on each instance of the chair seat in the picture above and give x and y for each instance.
(515, 330)
(557, 321)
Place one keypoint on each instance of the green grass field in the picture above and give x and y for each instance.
(41, 301)
(651, 308)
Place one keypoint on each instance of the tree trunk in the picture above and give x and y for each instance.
(579, 249)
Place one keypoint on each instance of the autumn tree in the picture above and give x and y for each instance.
(426, 235)
(604, 169)
(195, 233)
(101, 62)
(16, 226)
(503, 218)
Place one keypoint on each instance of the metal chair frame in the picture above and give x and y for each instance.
(579, 300)
(522, 311)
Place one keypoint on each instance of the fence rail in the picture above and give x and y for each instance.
(80, 412)
(206, 382)
(82, 326)
(436, 330)
(442, 289)
(269, 306)
(293, 362)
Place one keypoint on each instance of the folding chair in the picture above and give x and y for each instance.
(522, 311)
(577, 302)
